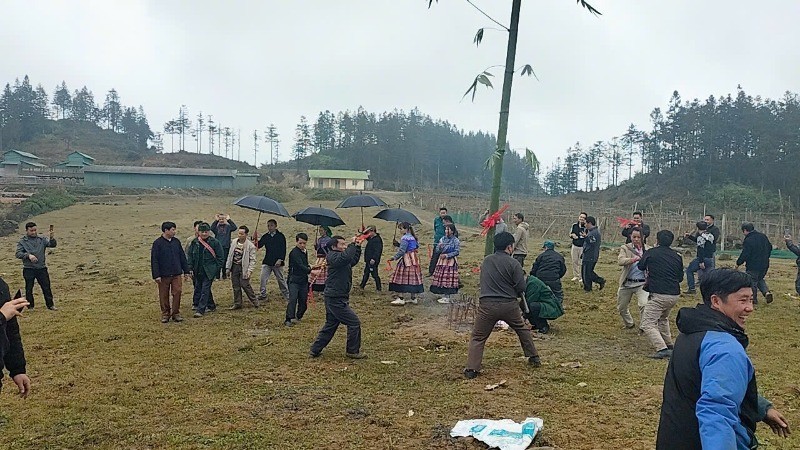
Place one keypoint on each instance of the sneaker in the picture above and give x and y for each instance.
(262, 298)
(209, 310)
(311, 354)
(535, 361)
(575, 279)
(398, 302)
(413, 301)
(444, 300)
(769, 297)
(664, 353)
(690, 291)
(197, 314)
(359, 355)
(470, 374)
(235, 307)
(177, 318)
(164, 319)
(296, 321)
(544, 330)
(288, 323)
(53, 308)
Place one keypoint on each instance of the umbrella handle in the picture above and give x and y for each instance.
(255, 230)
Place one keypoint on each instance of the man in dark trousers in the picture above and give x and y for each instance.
(340, 261)
(167, 264)
(550, 267)
(502, 282)
(664, 269)
(636, 222)
(756, 250)
(31, 249)
(372, 257)
(438, 232)
(711, 397)
(205, 259)
(590, 256)
(274, 244)
(298, 281)
(222, 227)
(12, 355)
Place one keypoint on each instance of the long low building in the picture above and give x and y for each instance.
(167, 177)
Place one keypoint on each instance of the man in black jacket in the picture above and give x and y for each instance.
(711, 397)
(590, 256)
(637, 222)
(340, 262)
(12, 355)
(756, 250)
(298, 281)
(577, 233)
(550, 267)
(167, 264)
(274, 244)
(664, 269)
(372, 257)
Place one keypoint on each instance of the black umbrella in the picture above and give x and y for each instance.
(397, 215)
(262, 205)
(318, 216)
(361, 201)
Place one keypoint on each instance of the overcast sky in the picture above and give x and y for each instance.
(251, 63)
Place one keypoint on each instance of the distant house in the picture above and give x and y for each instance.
(76, 160)
(355, 180)
(14, 160)
(167, 177)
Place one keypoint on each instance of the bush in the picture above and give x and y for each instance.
(39, 203)
(327, 194)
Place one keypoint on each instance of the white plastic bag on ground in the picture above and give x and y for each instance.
(504, 434)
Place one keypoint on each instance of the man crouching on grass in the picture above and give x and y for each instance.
(711, 399)
(340, 261)
(502, 282)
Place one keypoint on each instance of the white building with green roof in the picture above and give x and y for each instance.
(352, 180)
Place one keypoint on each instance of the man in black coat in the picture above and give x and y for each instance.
(12, 355)
(756, 250)
(637, 222)
(274, 244)
(372, 257)
(590, 256)
(340, 261)
(550, 267)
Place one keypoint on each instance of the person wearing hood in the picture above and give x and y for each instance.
(520, 238)
(550, 267)
(710, 398)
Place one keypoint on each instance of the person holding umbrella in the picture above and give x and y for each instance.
(274, 244)
(407, 277)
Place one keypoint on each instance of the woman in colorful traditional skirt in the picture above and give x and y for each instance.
(407, 277)
(445, 276)
(320, 273)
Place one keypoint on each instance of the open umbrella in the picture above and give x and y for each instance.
(262, 205)
(361, 201)
(397, 215)
(318, 216)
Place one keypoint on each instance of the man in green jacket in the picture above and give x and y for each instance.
(438, 233)
(542, 303)
(206, 258)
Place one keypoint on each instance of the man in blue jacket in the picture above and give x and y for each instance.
(711, 398)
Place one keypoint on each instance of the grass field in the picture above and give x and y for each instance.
(107, 374)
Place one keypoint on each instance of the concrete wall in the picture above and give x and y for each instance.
(144, 180)
(329, 183)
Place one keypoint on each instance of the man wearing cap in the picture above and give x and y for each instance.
(372, 257)
(205, 259)
(549, 267)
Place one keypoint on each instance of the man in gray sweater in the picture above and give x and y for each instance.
(31, 250)
(502, 281)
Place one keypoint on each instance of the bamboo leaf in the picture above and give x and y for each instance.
(478, 37)
(586, 5)
(484, 80)
(531, 160)
(488, 74)
(473, 87)
(528, 70)
(430, 2)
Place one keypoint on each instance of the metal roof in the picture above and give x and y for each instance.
(25, 154)
(339, 174)
(82, 154)
(161, 171)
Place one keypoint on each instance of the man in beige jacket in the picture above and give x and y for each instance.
(520, 238)
(239, 267)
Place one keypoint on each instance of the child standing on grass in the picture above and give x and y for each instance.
(298, 281)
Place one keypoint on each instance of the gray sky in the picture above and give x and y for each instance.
(249, 63)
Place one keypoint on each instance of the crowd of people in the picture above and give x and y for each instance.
(711, 397)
